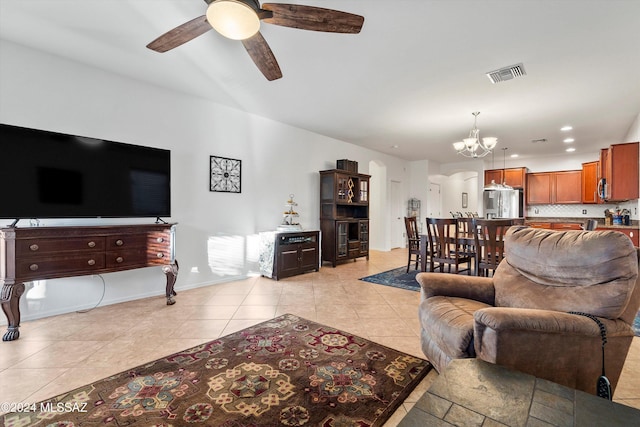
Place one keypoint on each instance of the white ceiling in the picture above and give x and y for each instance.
(411, 78)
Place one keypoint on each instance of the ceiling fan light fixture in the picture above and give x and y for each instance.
(233, 19)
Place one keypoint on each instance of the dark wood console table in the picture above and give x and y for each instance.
(39, 253)
(296, 253)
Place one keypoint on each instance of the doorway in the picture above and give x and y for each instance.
(434, 208)
(397, 216)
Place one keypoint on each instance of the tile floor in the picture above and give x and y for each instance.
(59, 353)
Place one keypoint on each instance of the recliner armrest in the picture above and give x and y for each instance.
(454, 285)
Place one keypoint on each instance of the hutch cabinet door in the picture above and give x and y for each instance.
(342, 239)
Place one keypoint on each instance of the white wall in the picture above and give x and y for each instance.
(633, 134)
(216, 232)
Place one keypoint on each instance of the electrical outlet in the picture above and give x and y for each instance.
(584, 211)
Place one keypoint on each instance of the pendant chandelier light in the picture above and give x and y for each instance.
(472, 146)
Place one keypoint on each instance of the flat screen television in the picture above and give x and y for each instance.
(53, 175)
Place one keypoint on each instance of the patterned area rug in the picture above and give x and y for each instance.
(288, 371)
(399, 278)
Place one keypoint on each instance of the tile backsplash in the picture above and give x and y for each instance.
(576, 211)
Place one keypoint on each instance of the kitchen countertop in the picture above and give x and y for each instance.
(635, 224)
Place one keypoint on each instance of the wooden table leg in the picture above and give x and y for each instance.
(10, 300)
(424, 242)
(171, 271)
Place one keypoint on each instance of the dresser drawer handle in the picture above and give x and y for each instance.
(160, 255)
(33, 267)
(92, 244)
(34, 247)
(159, 240)
(119, 242)
(119, 259)
(91, 262)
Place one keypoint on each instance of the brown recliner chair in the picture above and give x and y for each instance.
(519, 318)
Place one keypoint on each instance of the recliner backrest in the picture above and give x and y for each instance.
(593, 272)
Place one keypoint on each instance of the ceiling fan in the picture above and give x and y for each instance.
(240, 20)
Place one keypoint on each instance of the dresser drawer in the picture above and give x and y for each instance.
(126, 241)
(127, 258)
(55, 266)
(31, 247)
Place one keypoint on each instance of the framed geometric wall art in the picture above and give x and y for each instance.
(225, 174)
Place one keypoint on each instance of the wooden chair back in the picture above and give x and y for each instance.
(444, 246)
(413, 240)
(489, 242)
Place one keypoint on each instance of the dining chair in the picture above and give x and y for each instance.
(489, 243)
(590, 225)
(413, 240)
(444, 245)
(466, 240)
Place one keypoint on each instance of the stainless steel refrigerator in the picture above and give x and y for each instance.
(503, 202)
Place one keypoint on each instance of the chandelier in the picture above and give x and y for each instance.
(472, 146)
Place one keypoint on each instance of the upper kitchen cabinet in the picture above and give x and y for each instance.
(515, 177)
(619, 172)
(562, 187)
(590, 174)
(539, 188)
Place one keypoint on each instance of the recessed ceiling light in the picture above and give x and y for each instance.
(514, 155)
(568, 140)
(395, 146)
(566, 128)
(570, 150)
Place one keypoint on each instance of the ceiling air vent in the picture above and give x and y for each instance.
(506, 73)
(536, 141)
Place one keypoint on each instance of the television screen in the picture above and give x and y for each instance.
(52, 175)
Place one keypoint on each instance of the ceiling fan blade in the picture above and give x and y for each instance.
(263, 57)
(181, 34)
(313, 18)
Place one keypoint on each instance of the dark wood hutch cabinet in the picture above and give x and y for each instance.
(344, 215)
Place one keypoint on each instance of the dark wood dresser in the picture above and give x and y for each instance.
(39, 253)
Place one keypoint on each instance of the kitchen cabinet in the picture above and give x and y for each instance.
(539, 188)
(566, 226)
(567, 187)
(590, 174)
(632, 233)
(563, 187)
(515, 177)
(620, 172)
(555, 225)
(539, 224)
